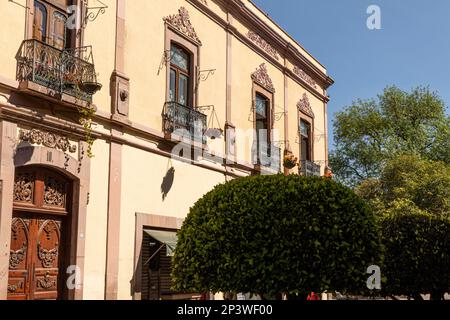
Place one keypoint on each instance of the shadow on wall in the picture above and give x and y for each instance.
(167, 183)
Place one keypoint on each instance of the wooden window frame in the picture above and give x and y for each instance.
(178, 72)
(258, 89)
(310, 121)
(172, 37)
(74, 37)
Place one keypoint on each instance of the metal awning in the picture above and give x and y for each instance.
(167, 238)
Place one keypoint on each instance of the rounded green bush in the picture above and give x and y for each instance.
(417, 256)
(277, 234)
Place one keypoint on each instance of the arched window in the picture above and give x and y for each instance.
(49, 23)
(40, 22)
(180, 75)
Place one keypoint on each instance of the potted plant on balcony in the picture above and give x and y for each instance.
(70, 81)
(290, 161)
(89, 83)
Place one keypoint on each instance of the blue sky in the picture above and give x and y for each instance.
(411, 49)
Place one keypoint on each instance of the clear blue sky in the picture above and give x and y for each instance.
(411, 49)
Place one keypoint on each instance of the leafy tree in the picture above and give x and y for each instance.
(417, 252)
(412, 201)
(275, 234)
(370, 132)
(423, 184)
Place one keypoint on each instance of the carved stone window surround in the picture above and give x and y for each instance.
(181, 24)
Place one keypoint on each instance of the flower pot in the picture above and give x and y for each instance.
(289, 165)
(90, 87)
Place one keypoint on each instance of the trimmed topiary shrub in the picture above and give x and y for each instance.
(276, 234)
(417, 257)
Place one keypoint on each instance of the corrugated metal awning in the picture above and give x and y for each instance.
(168, 238)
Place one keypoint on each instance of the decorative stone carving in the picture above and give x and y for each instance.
(54, 192)
(182, 23)
(304, 106)
(263, 44)
(16, 257)
(305, 77)
(120, 94)
(261, 77)
(23, 187)
(47, 257)
(48, 139)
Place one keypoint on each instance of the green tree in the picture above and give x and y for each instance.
(423, 184)
(417, 252)
(412, 201)
(275, 234)
(370, 132)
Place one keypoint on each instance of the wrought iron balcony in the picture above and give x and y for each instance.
(267, 156)
(184, 122)
(309, 168)
(70, 71)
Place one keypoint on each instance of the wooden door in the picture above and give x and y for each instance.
(38, 233)
(35, 257)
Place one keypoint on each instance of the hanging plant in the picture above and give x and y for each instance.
(290, 161)
(86, 120)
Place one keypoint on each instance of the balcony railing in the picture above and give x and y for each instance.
(60, 70)
(309, 168)
(267, 156)
(185, 122)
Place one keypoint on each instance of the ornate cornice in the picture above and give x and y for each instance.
(181, 22)
(261, 77)
(304, 76)
(47, 139)
(263, 44)
(304, 106)
(272, 36)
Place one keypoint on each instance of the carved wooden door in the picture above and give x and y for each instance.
(35, 258)
(37, 236)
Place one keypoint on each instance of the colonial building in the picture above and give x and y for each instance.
(173, 93)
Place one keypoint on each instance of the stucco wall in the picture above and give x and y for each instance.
(141, 189)
(96, 224)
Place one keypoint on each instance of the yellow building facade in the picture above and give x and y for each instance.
(193, 93)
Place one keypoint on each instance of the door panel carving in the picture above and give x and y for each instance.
(36, 255)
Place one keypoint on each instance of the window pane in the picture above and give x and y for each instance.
(183, 90)
(179, 58)
(304, 129)
(173, 83)
(261, 107)
(305, 150)
(40, 22)
(59, 30)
